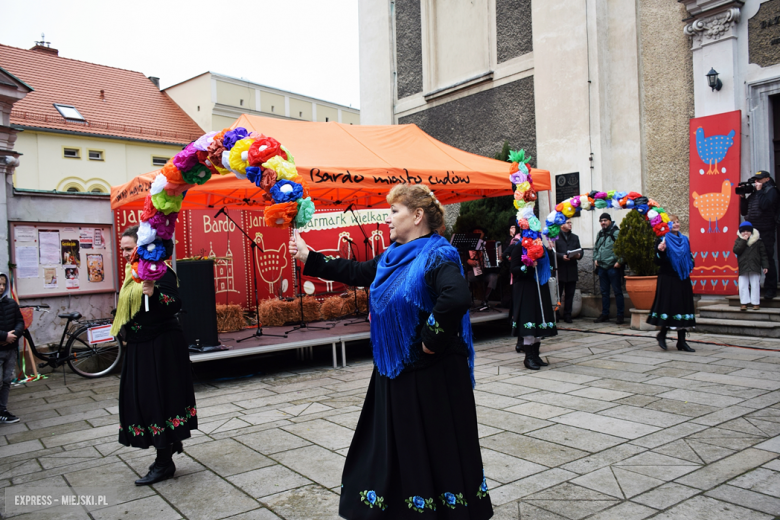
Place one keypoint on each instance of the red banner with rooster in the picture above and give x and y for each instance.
(198, 233)
(714, 206)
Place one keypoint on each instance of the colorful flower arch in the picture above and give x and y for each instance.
(255, 157)
(532, 229)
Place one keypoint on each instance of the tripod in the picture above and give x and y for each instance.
(300, 293)
(259, 331)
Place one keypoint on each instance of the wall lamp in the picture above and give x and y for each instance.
(713, 81)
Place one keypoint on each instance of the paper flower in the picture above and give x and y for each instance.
(215, 155)
(305, 212)
(186, 159)
(518, 204)
(550, 220)
(151, 270)
(203, 142)
(652, 214)
(655, 220)
(286, 191)
(280, 215)
(522, 223)
(611, 194)
(290, 157)
(164, 225)
(524, 186)
(134, 271)
(527, 233)
(553, 231)
(665, 217)
(146, 234)
(152, 252)
(534, 224)
(263, 150)
(233, 136)
(237, 159)
(527, 242)
(305, 185)
(172, 173)
(529, 195)
(574, 201)
(254, 174)
(633, 195)
(528, 212)
(527, 260)
(600, 195)
(568, 210)
(620, 195)
(584, 202)
(560, 218)
(642, 208)
(661, 229)
(198, 174)
(641, 201)
(535, 252)
(600, 203)
(518, 178)
(158, 184)
(149, 209)
(284, 169)
(203, 158)
(167, 204)
(174, 190)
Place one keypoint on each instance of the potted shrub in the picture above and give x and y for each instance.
(635, 244)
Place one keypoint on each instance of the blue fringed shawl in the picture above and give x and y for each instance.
(678, 251)
(398, 295)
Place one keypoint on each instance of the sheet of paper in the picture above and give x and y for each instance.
(24, 233)
(27, 262)
(49, 245)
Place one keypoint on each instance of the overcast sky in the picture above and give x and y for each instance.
(304, 46)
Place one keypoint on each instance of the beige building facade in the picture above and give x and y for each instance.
(215, 101)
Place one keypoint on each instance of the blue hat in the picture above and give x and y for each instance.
(746, 226)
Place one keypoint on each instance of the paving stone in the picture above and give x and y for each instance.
(308, 503)
(256, 514)
(184, 463)
(527, 511)
(709, 452)
(726, 469)
(722, 415)
(324, 433)
(603, 458)
(272, 441)
(268, 481)
(701, 398)
(732, 379)
(681, 407)
(746, 498)
(571, 501)
(543, 384)
(524, 487)
(508, 420)
(316, 463)
(665, 496)
(538, 410)
(705, 508)
(566, 377)
(601, 393)
(501, 388)
(534, 450)
(680, 450)
(627, 383)
(504, 468)
(66, 458)
(80, 436)
(205, 496)
(19, 448)
(770, 445)
(637, 400)
(570, 401)
(228, 457)
(761, 480)
(668, 435)
(117, 476)
(44, 433)
(633, 483)
(602, 480)
(608, 425)
(624, 511)
(143, 509)
(577, 438)
(495, 401)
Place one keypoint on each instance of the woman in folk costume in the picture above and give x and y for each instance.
(156, 394)
(533, 314)
(673, 306)
(416, 446)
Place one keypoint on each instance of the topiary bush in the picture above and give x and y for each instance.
(635, 244)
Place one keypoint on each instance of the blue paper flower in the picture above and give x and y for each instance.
(643, 208)
(286, 191)
(233, 136)
(153, 252)
(254, 174)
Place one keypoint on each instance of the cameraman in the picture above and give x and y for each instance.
(759, 208)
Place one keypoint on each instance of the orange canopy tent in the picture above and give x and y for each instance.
(347, 164)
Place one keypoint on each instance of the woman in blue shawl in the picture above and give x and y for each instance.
(416, 446)
(673, 306)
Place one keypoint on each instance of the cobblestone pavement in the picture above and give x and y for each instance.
(615, 428)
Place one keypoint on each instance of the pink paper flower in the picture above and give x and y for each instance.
(151, 270)
(163, 224)
(186, 159)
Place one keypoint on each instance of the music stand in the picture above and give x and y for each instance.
(253, 246)
(464, 243)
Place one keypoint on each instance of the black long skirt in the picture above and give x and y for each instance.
(416, 448)
(156, 395)
(673, 306)
(529, 318)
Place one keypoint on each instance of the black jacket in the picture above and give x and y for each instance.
(10, 318)
(662, 260)
(759, 208)
(751, 253)
(567, 269)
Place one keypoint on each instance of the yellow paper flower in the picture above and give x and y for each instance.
(664, 217)
(524, 186)
(284, 169)
(238, 155)
(568, 210)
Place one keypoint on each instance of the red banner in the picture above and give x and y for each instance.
(198, 233)
(714, 206)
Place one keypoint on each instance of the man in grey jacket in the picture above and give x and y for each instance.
(608, 265)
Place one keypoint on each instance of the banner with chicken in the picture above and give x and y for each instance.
(200, 234)
(714, 206)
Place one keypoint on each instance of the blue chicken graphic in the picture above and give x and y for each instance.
(713, 149)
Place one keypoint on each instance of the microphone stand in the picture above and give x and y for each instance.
(366, 243)
(300, 293)
(259, 331)
(356, 312)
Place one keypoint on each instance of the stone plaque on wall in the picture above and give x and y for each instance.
(567, 185)
(764, 35)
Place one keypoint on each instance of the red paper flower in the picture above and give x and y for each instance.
(529, 196)
(268, 180)
(203, 158)
(149, 209)
(634, 195)
(535, 252)
(661, 229)
(527, 242)
(263, 149)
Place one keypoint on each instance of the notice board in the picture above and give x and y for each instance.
(57, 259)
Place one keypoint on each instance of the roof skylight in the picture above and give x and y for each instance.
(69, 112)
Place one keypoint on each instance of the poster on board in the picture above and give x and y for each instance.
(95, 268)
(50, 278)
(70, 253)
(71, 278)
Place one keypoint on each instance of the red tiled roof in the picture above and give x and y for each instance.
(133, 107)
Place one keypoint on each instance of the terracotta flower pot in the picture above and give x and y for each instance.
(641, 290)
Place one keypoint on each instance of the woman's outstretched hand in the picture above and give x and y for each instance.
(298, 248)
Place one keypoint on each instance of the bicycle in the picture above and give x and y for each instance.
(86, 359)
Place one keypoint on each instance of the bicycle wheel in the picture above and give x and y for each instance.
(92, 360)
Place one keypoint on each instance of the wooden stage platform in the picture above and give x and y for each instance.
(335, 333)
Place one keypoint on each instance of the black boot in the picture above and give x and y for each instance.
(661, 337)
(530, 361)
(519, 347)
(162, 469)
(681, 344)
(537, 358)
(176, 447)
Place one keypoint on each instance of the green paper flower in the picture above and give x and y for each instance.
(167, 204)
(199, 174)
(305, 212)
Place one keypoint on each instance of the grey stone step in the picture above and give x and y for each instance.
(773, 303)
(730, 312)
(761, 329)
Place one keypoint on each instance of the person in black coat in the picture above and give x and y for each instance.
(760, 208)
(568, 251)
(11, 329)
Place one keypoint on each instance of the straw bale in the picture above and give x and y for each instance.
(230, 318)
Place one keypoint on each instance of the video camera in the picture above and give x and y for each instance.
(746, 188)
